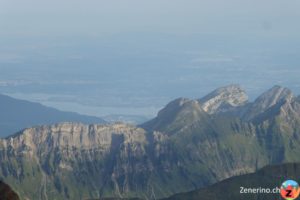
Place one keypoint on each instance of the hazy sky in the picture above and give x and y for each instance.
(96, 17)
(133, 56)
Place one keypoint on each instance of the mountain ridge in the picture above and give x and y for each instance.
(173, 116)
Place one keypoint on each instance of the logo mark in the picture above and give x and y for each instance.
(290, 190)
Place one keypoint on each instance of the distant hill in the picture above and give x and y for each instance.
(18, 114)
(229, 189)
(6, 193)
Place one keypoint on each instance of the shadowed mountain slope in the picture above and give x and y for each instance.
(230, 189)
(6, 193)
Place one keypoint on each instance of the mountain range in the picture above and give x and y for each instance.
(19, 114)
(191, 144)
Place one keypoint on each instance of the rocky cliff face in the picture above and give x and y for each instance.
(59, 157)
(184, 148)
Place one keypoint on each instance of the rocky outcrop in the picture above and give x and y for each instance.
(224, 99)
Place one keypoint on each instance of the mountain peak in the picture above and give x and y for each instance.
(175, 114)
(224, 99)
(273, 96)
(174, 107)
(270, 98)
